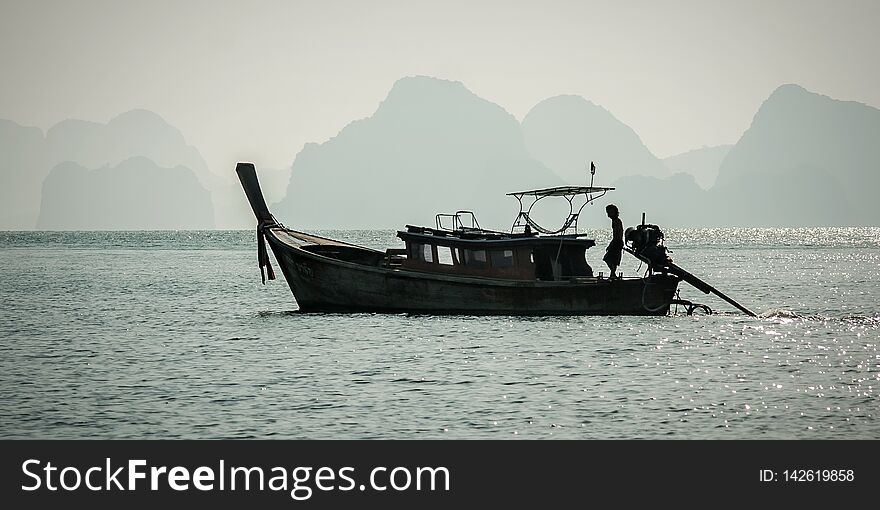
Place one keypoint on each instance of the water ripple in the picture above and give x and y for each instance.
(136, 335)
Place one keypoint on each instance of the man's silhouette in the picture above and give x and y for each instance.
(615, 247)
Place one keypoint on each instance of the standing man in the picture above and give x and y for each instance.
(615, 247)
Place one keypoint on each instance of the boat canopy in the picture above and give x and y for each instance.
(524, 221)
(560, 191)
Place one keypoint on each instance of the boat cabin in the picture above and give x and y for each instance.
(457, 245)
(524, 256)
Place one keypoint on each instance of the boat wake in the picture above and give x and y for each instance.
(788, 315)
(867, 320)
(780, 313)
(276, 313)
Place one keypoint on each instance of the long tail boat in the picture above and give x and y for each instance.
(456, 267)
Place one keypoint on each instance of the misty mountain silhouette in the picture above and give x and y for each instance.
(133, 133)
(431, 146)
(26, 156)
(434, 146)
(24, 164)
(675, 201)
(567, 132)
(136, 194)
(807, 159)
(702, 164)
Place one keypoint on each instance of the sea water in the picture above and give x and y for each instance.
(171, 335)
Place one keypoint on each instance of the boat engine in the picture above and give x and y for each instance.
(647, 241)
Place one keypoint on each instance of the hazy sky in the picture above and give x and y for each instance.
(255, 80)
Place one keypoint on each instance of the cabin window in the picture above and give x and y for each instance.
(473, 258)
(444, 255)
(423, 252)
(502, 258)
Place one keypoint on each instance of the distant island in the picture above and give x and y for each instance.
(136, 194)
(64, 179)
(806, 160)
(434, 146)
(24, 163)
(702, 164)
(566, 133)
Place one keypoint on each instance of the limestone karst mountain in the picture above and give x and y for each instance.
(133, 133)
(567, 132)
(702, 163)
(806, 159)
(23, 166)
(27, 156)
(431, 146)
(136, 194)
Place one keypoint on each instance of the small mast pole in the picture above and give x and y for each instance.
(592, 175)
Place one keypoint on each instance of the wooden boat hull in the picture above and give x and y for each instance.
(358, 282)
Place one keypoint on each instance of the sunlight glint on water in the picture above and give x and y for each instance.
(170, 334)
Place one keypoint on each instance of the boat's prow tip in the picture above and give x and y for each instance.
(245, 166)
(247, 175)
